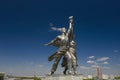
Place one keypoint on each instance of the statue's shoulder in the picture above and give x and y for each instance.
(59, 36)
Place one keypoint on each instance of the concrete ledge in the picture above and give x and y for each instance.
(63, 77)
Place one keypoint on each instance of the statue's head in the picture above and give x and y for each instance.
(72, 43)
(63, 30)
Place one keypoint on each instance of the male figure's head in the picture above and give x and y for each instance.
(72, 43)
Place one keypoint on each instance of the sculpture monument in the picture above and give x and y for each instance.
(66, 49)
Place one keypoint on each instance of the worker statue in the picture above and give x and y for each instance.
(70, 60)
(66, 48)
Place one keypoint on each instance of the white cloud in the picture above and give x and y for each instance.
(116, 51)
(84, 67)
(94, 66)
(105, 67)
(91, 57)
(91, 62)
(40, 66)
(105, 62)
(31, 63)
(103, 59)
(118, 64)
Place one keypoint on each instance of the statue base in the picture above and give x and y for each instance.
(63, 77)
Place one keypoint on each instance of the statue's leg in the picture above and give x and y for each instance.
(54, 67)
(56, 54)
(69, 62)
(74, 63)
(51, 57)
(64, 64)
(66, 68)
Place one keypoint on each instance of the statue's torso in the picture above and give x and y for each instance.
(63, 40)
(72, 50)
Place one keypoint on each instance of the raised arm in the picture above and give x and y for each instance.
(70, 29)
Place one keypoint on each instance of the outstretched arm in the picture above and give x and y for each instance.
(51, 42)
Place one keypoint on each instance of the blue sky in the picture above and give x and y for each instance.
(25, 27)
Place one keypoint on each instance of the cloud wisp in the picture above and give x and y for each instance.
(105, 62)
(91, 57)
(105, 67)
(102, 59)
(91, 62)
(116, 51)
(41, 66)
(94, 66)
(95, 63)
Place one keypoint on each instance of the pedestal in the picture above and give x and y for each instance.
(63, 77)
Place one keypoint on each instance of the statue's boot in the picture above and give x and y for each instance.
(70, 72)
(64, 72)
(51, 73)
(75, 72)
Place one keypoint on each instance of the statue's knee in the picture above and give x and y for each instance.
(55, 62)
(69, 58)
(74, 61)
